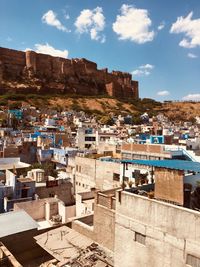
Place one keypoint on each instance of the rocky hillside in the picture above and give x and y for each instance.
(182, 111)
(104, 105)
(92, 105)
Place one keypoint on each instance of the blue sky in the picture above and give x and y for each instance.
(157, 41)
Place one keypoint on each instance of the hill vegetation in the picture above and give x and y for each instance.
(104, 105)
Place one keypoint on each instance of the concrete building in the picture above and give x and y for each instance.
(91, 173)
(100, 226)
(22, 189)
(10, 163)
(86, 138)
(146, 152)
(47, 212)
(37, 175)
(155, 231)
(61, 188)
(149, 229)
(85, 203)
(152, 233)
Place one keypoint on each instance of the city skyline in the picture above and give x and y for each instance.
(157, 42)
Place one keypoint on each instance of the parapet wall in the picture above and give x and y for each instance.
(154, 233)
(32, 72)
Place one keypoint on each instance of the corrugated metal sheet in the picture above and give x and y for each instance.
(168, 164)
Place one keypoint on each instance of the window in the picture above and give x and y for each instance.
(136, 156)
(39, 177)
(192, 261)
(116, 177)
(126, 155)
(140, 238)
(90, 138)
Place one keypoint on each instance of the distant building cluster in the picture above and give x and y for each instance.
(76, 192)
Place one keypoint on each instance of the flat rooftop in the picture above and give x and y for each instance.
(10, 163)
(68, 247)
(16, 222)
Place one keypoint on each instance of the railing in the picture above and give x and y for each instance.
(183, 150)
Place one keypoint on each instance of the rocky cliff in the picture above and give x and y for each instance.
(30, 72)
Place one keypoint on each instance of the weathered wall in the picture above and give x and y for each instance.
(85, 175)
(95, 173)
(104, 174)
(145, 151)
(143, 148)
(104, 226)
(27, 152)
(10, 152)
(102, 230)
(170, 232)
(36, 208)
(66, 211)
(41, 73)
(84, 228)
(81, 202)
(169, 185)
(63, 191)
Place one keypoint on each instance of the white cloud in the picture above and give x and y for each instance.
(163, 93)
(92, 22)
(193, 97)
(190, 27)
(133, 24)
(50, 18)
(66, 16)
(143, 70)
(161, 26)
(9, 39)
(191, 55)
(49, 50)
(147, 66)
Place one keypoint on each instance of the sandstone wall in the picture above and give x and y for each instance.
(31, 72)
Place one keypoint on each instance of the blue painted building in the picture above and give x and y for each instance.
(17, 113)
(157, 139)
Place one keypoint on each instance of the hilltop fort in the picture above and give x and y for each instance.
(31, 72)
